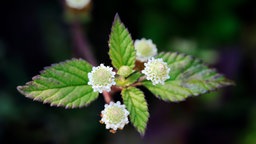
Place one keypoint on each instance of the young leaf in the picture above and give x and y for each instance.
(63, 84)
(133, 78)
(129, 80)
(137, 106)
(188, 77)
(122, 51)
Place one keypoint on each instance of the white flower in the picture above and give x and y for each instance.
(145, 49)
(77, 4)
(156, 70)
(101, 78)
(115, 116)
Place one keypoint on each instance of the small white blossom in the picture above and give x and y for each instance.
(77, 4)
(145, 49)
(101, 78)
(115, 116)
(156, 70)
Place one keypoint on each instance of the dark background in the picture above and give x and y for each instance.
(37, 33)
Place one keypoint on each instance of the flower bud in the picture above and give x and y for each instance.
(145, 49)
(125, 71)
(77, 4)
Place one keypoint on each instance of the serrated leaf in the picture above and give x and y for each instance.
(136, 104)
(63, 84)
(122, 51)
(188, 77)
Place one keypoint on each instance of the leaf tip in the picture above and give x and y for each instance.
(117, 17)
(117, 20)
(142, 133)
(231, 82)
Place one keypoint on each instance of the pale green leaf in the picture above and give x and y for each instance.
(122, 51)
(136, 104)
(188, 77)
(63, 84)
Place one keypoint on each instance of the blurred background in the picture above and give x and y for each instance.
(37, 33)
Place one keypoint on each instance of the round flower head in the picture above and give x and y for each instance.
(77, 4)
(145, 49)
(101, 78)
(156, 70)
(115, 116)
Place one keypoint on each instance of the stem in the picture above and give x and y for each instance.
(115, 89)
(142, 78)
(107, 97)
(83, 48)
(136, 84)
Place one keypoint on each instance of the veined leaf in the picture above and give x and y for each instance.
(63, 84)
(122, 51)
(136, 104)
(188, 77)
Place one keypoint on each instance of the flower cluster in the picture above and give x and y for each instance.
(145, 49)
(115, 116)
(101, 78)
(77, 4)
(156, 70)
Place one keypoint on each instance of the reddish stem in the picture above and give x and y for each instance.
(83, 48)
(107, 97)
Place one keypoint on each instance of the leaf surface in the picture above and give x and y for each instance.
(63, 84)
(188, 77)
(122, 51)
(136, 104)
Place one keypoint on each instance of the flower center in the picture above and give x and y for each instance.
(102, 77)
(158, 69)
(115, 114)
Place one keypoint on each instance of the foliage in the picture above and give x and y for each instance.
(66, 84)
(62, 84)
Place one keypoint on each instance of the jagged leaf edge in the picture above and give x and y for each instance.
(133, 53)
(146, 114)
(27, 95)
(227, 81)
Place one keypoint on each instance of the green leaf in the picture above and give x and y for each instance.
(122, 51)
(122, 82)
(63, 84)
(136, 104)
(133, 78)
(188, 77)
